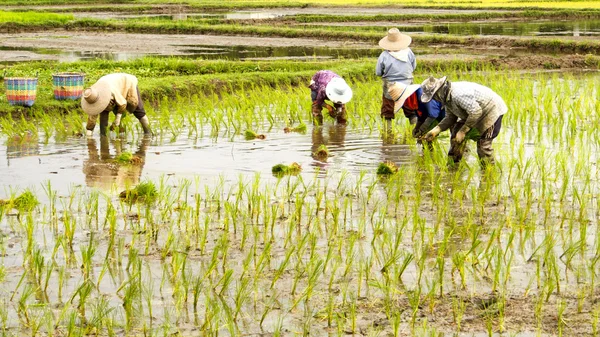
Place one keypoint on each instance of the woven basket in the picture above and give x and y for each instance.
(20, 90)
(67, 85)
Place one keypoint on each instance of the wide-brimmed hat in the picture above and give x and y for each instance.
(430, 87)
(338, 91)
(400, 92)
(96, 98)
(395, 41)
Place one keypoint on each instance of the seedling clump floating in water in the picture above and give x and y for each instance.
(24, 203)
(387, 168)
(128, 158)
(282, 169)
(253, 135)
(301, 128)
(322, 152)
(144, 192)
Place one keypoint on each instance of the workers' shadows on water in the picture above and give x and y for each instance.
(103, 169)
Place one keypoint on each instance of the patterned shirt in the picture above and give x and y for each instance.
(319, 83)
(478, 105)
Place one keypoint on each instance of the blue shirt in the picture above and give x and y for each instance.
(433, 108)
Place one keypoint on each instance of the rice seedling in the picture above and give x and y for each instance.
(128, 158)
(321, 153)
(250, 135)
(280, 170)
(313, 253)
(143, 192)
(300, 128)
(387, 168)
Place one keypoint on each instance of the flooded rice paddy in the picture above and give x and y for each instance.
(224, 247)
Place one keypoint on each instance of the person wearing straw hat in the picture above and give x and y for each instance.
(327, 85)
(117, 93)
(409, 99)
(395, 64)
(470, 108)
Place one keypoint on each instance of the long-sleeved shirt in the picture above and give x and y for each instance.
(124, 97)
(478, 105)
(393, 70)
(123, 89)
(431, 109)
(319, 83)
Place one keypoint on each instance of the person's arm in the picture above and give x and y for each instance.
(447, 122)
(424, 127)
(380, 68)
(91, 124)
(413, 59)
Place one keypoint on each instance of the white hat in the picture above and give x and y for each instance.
(338, 91)
(400, 92)
(395, 41)
(96, 98)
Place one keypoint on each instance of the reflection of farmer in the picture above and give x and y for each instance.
(102, 170)
(336, 136)
(117, 93)
(409, 98)
(326, 84)
(395, 64)
(478, 108)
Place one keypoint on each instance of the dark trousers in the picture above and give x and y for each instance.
(139, 112)
(387, 108)
(484, 143)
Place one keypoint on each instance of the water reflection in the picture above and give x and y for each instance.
(539, 28)
(212, 52)
(102, 170)
(334, 137)
(22, 146)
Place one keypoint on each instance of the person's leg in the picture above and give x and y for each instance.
(485, 150)
(104, 123)
(387, 108)
(340, 113)
(140, 114)
(317, 114)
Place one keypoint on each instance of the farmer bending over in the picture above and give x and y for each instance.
(478, 108)
(395, 64)
(117, 93)
(409, 98)
(326, 84)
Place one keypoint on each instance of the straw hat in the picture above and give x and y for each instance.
(338, 91)
(430, 87)
(400, 92)
(395, 41)
(96, 98)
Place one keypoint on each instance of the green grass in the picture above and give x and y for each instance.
(34, 18)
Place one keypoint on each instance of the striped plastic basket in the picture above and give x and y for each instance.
(20, 90)
(67, 85)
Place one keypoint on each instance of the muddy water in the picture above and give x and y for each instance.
(90, 162)
(278, 12)
(572, 28)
